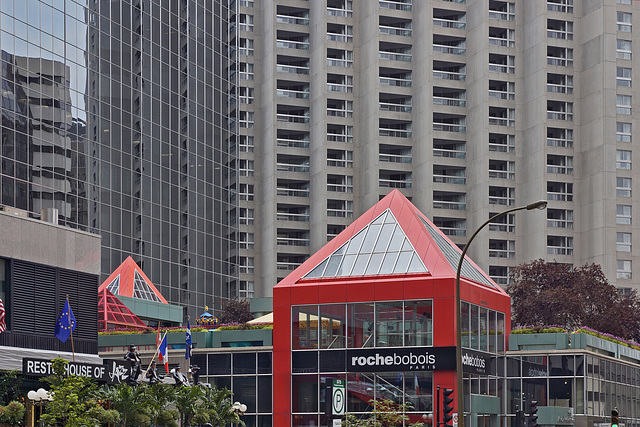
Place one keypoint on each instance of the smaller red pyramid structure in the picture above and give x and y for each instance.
(130, 281)
(112, 311)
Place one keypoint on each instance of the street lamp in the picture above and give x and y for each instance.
(39, 398)
(541, 204)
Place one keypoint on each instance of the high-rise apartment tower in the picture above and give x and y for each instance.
(468, 107)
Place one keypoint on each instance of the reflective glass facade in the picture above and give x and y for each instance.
(117, 114)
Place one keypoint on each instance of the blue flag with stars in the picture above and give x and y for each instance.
(66, 323)
(187, 353)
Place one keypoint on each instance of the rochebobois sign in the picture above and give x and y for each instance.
(401, 359)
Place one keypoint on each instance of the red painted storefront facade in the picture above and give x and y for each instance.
(437, 284)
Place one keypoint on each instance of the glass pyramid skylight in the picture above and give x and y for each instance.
(142, 290)
(114, 286)
(379, 248)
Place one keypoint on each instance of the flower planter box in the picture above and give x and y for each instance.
(200, 339)
(550, 341)
(595, 344)
(242, 338)
(629, 354)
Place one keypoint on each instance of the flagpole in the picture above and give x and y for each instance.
(71, 326)
(154, 355)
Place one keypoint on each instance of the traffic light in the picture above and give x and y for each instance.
(447, 408)
(614, 417)
(533, 414)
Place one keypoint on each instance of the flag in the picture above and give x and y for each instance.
(66, 323)
(416, 384)
(187, 353)
(163, 355)
(3, 323)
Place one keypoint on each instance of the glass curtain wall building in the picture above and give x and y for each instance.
(117, 114)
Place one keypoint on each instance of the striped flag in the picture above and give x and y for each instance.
(3, 323)
(163, 355)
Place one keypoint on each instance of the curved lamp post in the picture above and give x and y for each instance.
(541, 204)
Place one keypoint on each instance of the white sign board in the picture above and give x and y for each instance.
(339, 400)
(337, 422)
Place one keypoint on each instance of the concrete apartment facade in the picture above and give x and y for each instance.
(468, 108)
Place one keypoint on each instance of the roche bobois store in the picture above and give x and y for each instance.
(371, 316)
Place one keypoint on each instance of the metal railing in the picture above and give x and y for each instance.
(447, 23)
(395, 31)
(446, 179)
(288, 192)
(451, 154)
(449, 75)
(395, 82)
(286, 19)
(450, 102)
(398, 108)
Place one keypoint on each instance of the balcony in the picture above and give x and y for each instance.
(293, 213)
(557, 137)
(449, 149)
(560, 218)
(502, 169)
(454, 49)
(396, 5)
(561, 30)
(559, 56)
(504, 64)
(393, 179)
(563, 6)
(392, 154)
(296, 20)
(393, 56)
(502, 143)
(292, 69)
(291, 188)
(449, 200)
(395, 31)
(340, 208)
(394, 129)
(449, 175)
(447, 23)
(292, 164)
(504, 196)
(557, 110)
(559, 191)
(451, 226)
(449, 102)
(559, 164)
(502, 10)
(340, 183)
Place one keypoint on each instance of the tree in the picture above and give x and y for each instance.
(75, 400)
(545, 293)
(385, 413)
(188, 401)
(218, 408)
(9, 383)
(12, 414)
(235, 311)
(129, 402)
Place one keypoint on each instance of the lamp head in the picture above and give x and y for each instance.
(540, 204)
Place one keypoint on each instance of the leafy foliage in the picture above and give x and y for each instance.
(9, 384)
(217, 408)
(235, 311)
(12, 414)
(545, 293)
(75, 400)
(385, 413)
(538, 330)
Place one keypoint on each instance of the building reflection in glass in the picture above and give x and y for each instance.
(115, 113)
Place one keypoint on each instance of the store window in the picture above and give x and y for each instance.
(482, 329)
(304, 320)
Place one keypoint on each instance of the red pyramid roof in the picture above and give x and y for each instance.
(436, 251)
(112, 311)
(126, 273)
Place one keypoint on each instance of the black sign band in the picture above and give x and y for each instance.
(111, 372)
(401, 359)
